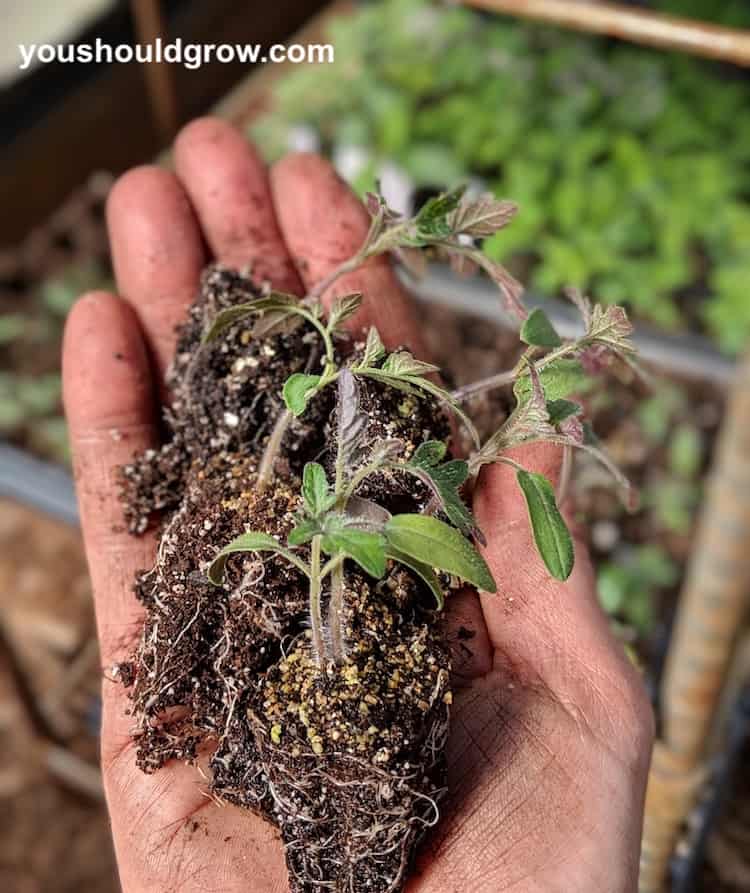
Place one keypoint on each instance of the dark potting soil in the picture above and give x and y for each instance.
(346, 761)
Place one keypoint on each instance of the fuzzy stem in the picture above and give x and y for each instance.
(316, 617)
(330, 566)
(336, 613)
(501, 379)
(317, 292)
(265, 471)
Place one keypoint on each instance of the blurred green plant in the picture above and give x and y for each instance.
(674, 489)
(631, 167)
(30, 384)
(628, 587)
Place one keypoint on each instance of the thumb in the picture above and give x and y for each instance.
(534, 618)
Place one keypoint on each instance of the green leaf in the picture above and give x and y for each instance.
(422, 570)
(276, 300)
(374, 348)
(303, 532)
(445, 480)
(559, 379)
(438, 545)
(298, 389)
(403, 363)
(551, 535)
(249, 542)
(433, 219)
(559, 410)
(344, 308)
(367, 549)
(429, 453)
(538, 331)
(315, 490)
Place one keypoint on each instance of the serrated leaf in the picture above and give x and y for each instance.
(303, 532)
(538, 331)
(445, 481)
(226, 318)
(559, 410)
(374, 348)
(482, 216)
(403, 363)
(315, 489)
(611, 327)
(551, 534)
(248, 542)
(433, 219)
(343, 309)
(559, 379)
(364, 547)
(298, 389)
(422, 570)
(429, 453)
(438, 545)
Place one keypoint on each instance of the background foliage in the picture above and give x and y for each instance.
(631, 166)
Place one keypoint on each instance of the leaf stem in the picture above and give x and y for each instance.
(331, 565)
(348, 266)
(324, 333)
(501, 379)
(265, 471)
(316, 617)
(336, 613)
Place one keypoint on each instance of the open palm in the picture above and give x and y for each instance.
(551, 730)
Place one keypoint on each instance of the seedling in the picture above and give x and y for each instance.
(294, 611)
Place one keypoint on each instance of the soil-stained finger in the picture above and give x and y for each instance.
(157, 252)
(534, 617)
(324, 224)
(109, 405)
(228, 185)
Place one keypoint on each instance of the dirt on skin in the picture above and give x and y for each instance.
(347, 762)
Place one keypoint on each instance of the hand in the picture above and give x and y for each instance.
(551, 729)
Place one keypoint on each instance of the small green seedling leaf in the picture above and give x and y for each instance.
(250, 542)
(276, 300)
(434, 218)
(303, 532)
(298, 389)
(551, 534)
(343, 308)
(559, 378)
(403, 371)
(374, 348)
(445, 480)
(559, 410)
(438, 545)
(538, 331)
(367, 549)
(429, 453)
(403, 363)
(315, 490)
(422, 570)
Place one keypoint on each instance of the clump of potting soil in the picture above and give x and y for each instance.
(313, 525)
